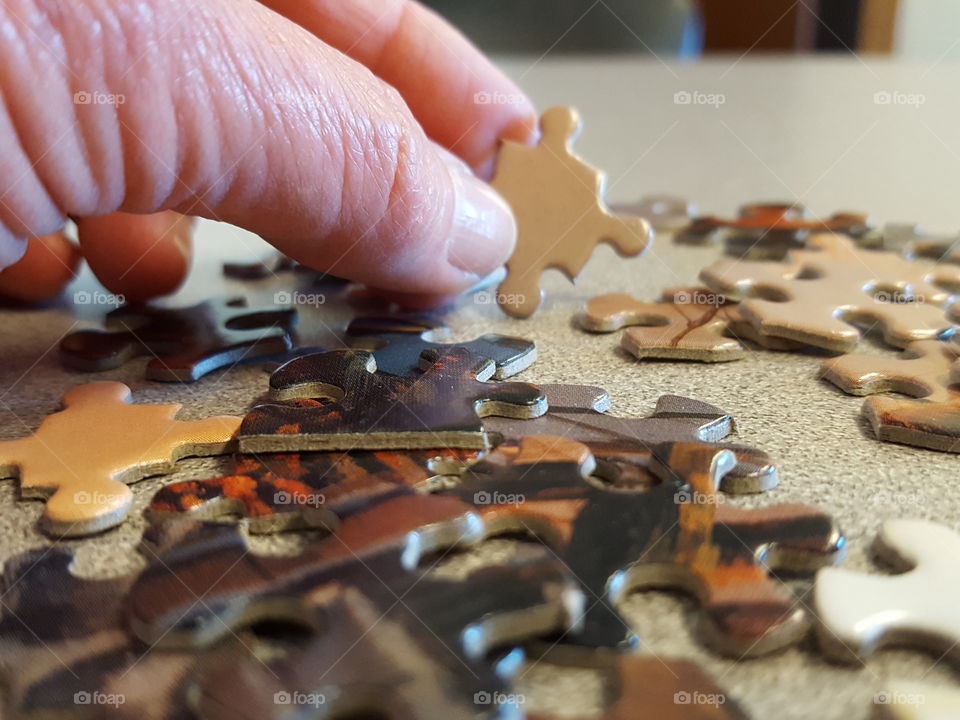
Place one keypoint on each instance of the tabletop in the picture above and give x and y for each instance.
(872, 135)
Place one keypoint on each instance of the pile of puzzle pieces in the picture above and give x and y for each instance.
(400, 448)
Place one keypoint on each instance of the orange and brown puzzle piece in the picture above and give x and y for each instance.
(557, 200)
(928, 370)
(690, 324)
(81, 457)
(823, 291)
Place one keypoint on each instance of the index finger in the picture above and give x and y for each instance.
(459, 97)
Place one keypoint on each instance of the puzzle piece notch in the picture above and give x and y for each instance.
(397, 342)
(186, 343)
(81, 457)
(374, 411)
(624, 445)
(817, 297)
(641, 686)
(859, 614)
(690, 324)
(557, 200)
(672, 535)
(926, 369)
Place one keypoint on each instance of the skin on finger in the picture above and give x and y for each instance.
(138, 256)
(225, 109)
(462, 100)
(49, 263)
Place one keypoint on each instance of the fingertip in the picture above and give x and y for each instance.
(138, 256)
(49, 263)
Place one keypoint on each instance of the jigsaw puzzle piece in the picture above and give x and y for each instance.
(186, 343)
(397, 343)
(859, 614)
(296, 491)
(81, 458)
(623, 446)
(817, 297)
(640, 686)
(671, 535)
(370, 410)
(926, 369)
(423, 658)
(273, 264)
(557, 200)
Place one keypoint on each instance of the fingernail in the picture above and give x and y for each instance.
(483, 232)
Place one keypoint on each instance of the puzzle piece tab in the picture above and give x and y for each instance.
(927, 369)
(397, 343)
(369, 410)
(860, 613)
(625, 445)
(676, 535)
(692, 324)
(818, 296)
(186, 343)
(557, 200)
(81, 457)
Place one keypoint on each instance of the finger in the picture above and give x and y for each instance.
(49, 263)
(462, 100)
(277, 133)
(137, 256)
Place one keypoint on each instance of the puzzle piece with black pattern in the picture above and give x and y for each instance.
(186, 343)
(372, 410)
(673, 535)
(272, 265)
(578, 412)
(422, 657)
(298, 490)
(397, 343)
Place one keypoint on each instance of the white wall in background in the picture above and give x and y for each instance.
(928, 29)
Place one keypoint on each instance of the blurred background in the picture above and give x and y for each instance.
(690, 28)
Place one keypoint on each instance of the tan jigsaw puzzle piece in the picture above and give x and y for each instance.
(557, 200)
(927, 369)
(81, 457)
(691, 324)
(814, 298)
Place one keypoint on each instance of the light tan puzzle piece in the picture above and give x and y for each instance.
(692, 324)
(927, 369)
(81, 456)
(814, 298)
(557, 200)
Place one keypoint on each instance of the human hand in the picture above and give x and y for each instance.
(324, 126)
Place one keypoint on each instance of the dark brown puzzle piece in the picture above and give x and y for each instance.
(577, 412)
(376, 411)
(294, 491)
(273, 264)
(425, 634)
(647, 686)
(186, 343)
(673, 535)
(397, 343)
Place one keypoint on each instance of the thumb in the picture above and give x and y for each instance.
(224, 109)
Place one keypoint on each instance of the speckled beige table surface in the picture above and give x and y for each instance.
(808, 131)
